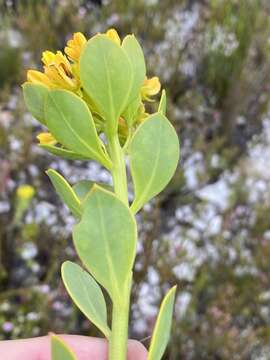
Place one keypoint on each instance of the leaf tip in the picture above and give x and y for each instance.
(50, 172)
(172, 291)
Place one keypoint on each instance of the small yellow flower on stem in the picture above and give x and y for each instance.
(24, 195)
(150, 88)
(74, 46)
(59, 70)
(113, 35)
(25, 192)
(46, 138)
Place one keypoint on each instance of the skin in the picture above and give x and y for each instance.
(86, 348)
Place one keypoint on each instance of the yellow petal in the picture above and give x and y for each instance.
(72, 53)
(74, 46)
(61, 59)
(46, 138)
(150, 88)
(59, 78)
(48, 57)
(79, 39)
(113, 35)
(38, 77)
(53, 74)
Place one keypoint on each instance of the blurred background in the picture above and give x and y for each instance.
(208, 232)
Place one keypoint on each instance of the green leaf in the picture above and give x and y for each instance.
(34, 97)
(86, 294)
(105, 240)
(163, 103)
(65, 192)
(71, 123)
(60, 350)
(154, 154)
(161, 334)
(131, 111)
(106, 75)
(136, 57)
(63, 153)
(82, 188)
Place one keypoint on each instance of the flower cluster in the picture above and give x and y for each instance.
(61, 71)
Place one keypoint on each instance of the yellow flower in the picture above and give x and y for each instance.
(74, 46)
(25, 192)
(113, 35)
(37, 77)
(59, 70)
(46, 138)
(150, 88)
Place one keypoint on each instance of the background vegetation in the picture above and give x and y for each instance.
(209, 232)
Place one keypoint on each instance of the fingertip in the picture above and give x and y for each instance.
(87, 347)
(84, 347)
(136, 350)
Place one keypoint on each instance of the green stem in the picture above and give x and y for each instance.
(120, 312)
(119, 334)
(119, 169)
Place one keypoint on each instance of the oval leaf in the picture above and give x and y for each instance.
(86, 294)
(161, 334)
(82, 188)
(163, 103)
(65, 192)
(105, 240)
(154, 154)
(34, 97)
(106, 75)
(136, 57)
(60, 350)
(71, 123)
